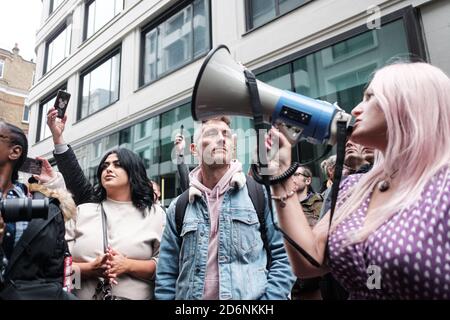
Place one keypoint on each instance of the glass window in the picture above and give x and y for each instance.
(354, 45)
(100, 86)
(201, 28)
(99, 13)
(43, 131)
(2, 68)
(340, 72)
(125, 136)
(26, 114)
(55, 4)
(144, 129)
(98, 148)
(178, 40)
(145, 156)
(279, 77)
(262, 11)
(58, 48)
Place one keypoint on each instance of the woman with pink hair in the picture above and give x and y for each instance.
(390, 235)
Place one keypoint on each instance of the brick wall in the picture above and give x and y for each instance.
(17, 77)
(11, 110)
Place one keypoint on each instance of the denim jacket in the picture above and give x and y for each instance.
(242, 258)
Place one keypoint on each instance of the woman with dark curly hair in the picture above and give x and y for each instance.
(133, 223)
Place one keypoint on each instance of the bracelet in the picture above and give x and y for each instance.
(289, 172)
(283, 199)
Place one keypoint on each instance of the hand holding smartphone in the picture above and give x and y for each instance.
(61, 102)
(32, 166)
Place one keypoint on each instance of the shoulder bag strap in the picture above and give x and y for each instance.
(105, 229)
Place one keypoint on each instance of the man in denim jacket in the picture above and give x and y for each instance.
(219, 253)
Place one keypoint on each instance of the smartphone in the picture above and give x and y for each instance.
(61, 102)
(32, 166)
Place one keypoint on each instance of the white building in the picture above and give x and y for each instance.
(131, 65)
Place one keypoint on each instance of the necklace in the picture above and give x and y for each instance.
(385, 184)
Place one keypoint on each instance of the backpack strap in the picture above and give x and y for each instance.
(180, 211)
(256, 194)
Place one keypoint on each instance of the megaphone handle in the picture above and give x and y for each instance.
(288, 133)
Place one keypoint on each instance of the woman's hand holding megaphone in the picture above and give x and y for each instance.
(279, 152)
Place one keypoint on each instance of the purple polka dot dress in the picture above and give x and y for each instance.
(408, 257)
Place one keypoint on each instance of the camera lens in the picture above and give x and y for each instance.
(23, 209)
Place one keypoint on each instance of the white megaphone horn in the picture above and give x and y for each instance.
(220, 89)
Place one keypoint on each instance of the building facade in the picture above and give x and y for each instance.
(131, 65)
(16, 79)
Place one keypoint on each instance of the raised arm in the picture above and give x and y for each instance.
(183, 169)
(292, 218)
(67, 162)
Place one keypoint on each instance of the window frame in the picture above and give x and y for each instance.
(60, 29)
(45, 100)
(25, 107)
(91, 67)
(86, 18)
(249, 24)
(52, 7)
(172, 11)
(2, 73)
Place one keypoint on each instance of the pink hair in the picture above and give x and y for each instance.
(415, 99)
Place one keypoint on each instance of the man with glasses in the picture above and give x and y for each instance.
(307, 289)
(310, 200)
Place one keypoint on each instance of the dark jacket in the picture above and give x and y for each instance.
(74, 178)
(311, 207)
(35, 269)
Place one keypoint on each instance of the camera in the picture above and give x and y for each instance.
(23, 209)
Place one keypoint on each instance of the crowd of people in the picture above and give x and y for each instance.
(218, 239)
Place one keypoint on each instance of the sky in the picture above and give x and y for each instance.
(20, 19)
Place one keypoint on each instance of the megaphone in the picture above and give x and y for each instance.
(221, 89)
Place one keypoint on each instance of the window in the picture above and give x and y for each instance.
(26, 114)
(125, 136)
(98, 148)
(100, 84)
(43, 131)
(145, 156)
(144, 129)
(99, 13)
(179, 39)
(2, 68)
(261, 11)
(339, 72)
(57, 48)
(55, 4)
(354, 46)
